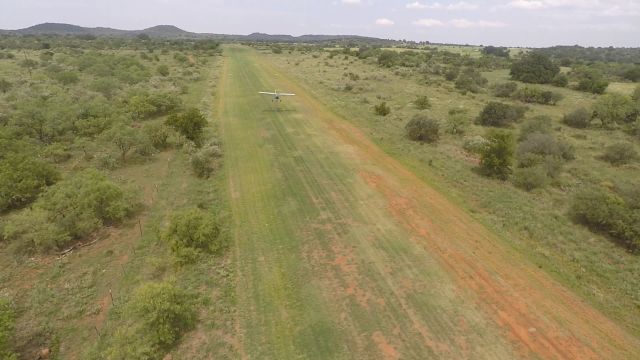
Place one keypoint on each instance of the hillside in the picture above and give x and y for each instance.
(173, 32)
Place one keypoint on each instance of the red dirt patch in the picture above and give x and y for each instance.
(387, 350)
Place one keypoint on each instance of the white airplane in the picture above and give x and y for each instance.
(276, 95)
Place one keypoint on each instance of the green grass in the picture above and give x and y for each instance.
(533, 223)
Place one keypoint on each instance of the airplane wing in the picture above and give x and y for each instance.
(268, 93)
(285, 94)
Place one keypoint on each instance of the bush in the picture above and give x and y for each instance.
(475, 144)
(22, 178)
(423, 129)
(158, 134)
(614, 109)
(560, 80)
(530, 178)
(164, 313)
(590, 80)
(505, 90)
(79, 205)
(192, 232)
(537, 96)
(635, 96)
(541, 124)
(7, 326)
(499, 114)
(579, 118)
(163, 70)
(382, 109)
(620, 154)
(545, 145)
(422, 103)
(457, 121)
(124, 138)
(471, 80)
(496, 158)
(534, 68)
(632, 74)
(148, 105)
(31, 231)
(190, 124)
(604, 211)
(202, 161)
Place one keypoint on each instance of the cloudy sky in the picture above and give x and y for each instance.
(497, 22)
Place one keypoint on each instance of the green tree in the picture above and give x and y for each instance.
(423, 129)
(35, 233)
(388, 58)
(190, 124)
(499, 114)
(124, 137)
(22, 178)
(590, 80)
(163, 70)
(496, 158)
(614, 109)
(535, 68)
(620, 154)
(579, 118)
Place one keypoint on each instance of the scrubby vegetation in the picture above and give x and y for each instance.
(192, 232)
(500, 114)
(422, 128)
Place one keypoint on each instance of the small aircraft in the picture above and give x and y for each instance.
(276, 95)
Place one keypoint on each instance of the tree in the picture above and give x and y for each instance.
(22, 178)
(496, 158)
(34, 232)
(423, 129)
(614, 109)
(388, 58)
(633, 74)
(537, 96)
(124, 137)
(504, 90)
(67, 77)
(499, 114)
(496, 51)
(620, 154)
(190, 124)
(106, 86)
(535, 68)
(470, 80)
(590, 80)
(163, 70)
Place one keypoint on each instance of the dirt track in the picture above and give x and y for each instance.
(344, 253)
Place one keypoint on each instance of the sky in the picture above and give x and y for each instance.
(530, 23)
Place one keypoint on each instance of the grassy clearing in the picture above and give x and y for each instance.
(533, 223)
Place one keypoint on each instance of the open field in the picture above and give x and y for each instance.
(342, 252)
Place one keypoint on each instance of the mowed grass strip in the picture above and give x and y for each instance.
(323, 270)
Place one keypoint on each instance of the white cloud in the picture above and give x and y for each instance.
(428, 23)
(352, 2)
(462, 5)
(384, 22)
(459, 23)
(465, 24)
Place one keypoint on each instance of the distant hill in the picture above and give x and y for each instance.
(173, 32)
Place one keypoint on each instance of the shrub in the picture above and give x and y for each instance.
(613, 109)
(632, 74)
(560, 80)
(471, 80)
(452, 74)
(590, 80)
(7, 326)
(579, 118)
(457, 121)
(158, 134)
(475, 144)
(530, 178)
(499, 114)
(163, 313)
(382, 109)
(5, 85)
(422, 128)
(202, 161)
(148, 105)
(496, 158)
(85, 201)
(537, 96)
(534, 68)
(192, 232)
(505, 90)
(162, 70)
(22, 178)
(32, 231)
(124, 137)
(620, 154)
(190, 124)
(422, 103)
(538, 124)
(545, 145)
(604, 211)
(635, 96)
(388, 58)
